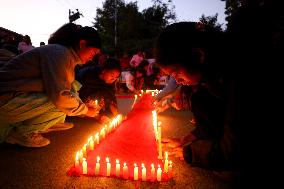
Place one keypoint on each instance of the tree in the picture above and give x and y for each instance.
(135, 30)
(211, 21)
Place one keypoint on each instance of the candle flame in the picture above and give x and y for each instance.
(124, 164)
(143, 166)
(135, 165)
(159, 123)
(84, 159)
(158, 165)
(98, 159)
(117, 161)
(107, 160)
(152, 165)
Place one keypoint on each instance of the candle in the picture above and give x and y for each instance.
(96, 103)
(117, 168)
(97, 138)
(103, 134)
(153, 94)
(97, 170)
(166, 164)
(91, 143)
(170, 169)
(77, 160)
(85, 166)
(108, 167)
(135, 172)
(125, 171)
(159, 140)
(85, 150)
(153, 175)
(106, 129)
(159, 173)
(80, 156)
(143, 172)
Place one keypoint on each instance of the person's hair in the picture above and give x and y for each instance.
(70, 34)
(27, 40)
(185, 44)
(111, 64)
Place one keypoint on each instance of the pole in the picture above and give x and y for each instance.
(115, 25)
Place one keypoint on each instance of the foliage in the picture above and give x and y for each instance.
(211, 21)
(134, 30)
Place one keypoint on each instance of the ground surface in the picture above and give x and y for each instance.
(29, 168)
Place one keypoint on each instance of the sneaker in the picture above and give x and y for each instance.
(28, 140)
(59, 127)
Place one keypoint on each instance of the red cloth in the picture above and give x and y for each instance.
(131, 142)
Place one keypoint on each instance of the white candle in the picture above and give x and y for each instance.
(153, 94)
(77, 160)
(96, 103)
(135, 172)
(103, 134)
(143, 172)
(85, 166)
(97, 170)
(166, 163)
(85, 150)
(153, 174)
(91, 143)
(117, 168)
(170, 169)
(108, 167)
(125, 171)
(97, 138)
(159, 173)
(106, 129)
(80, 156)
(160, 141)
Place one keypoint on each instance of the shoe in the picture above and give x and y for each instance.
(59, 127)
(28, 140)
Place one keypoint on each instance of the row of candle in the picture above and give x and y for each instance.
(97, 137)
(158, 133)
(155, 175)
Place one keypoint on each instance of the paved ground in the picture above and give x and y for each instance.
(28, 168)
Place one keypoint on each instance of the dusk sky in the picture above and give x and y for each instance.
(40, 18)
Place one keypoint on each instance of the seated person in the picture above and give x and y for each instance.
(98, 83)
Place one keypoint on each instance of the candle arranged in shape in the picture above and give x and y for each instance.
(170, 169)
(97, 170)
(117, 168)
(166, 163)
(125, 171)
(77, 160)
(85, 150)
(160, 140)
(159, 173)
(85, 166)
(153, 173)
(81, 156)
(91, 143)
(108, 167)
(103, 133)
(135, 172)
(143, 172)
(97, 138)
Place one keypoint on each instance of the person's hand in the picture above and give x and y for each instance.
(171, 142)
(104, 119)
(92, 112)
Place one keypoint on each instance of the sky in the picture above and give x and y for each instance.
(40, 18)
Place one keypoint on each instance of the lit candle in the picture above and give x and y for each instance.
(77, 160)
(153, 94)
(85, 150)
(91, 143)
(166, 164)
(108, 167)
(103, 134)
(159, 173)
(117, 168)
(142, 91)
(97, 138)
(125, 171)
(85, 166)
(106, 129)
(97, 170)
(170, 169)
(143, 172)
(153, 175)
(80, 156)
(159, 140)
(96, 103)
(135, 172)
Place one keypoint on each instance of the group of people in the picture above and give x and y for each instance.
(38, 89)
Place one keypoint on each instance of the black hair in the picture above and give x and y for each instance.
(111, 64)
(70, 34)
(185, 44)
